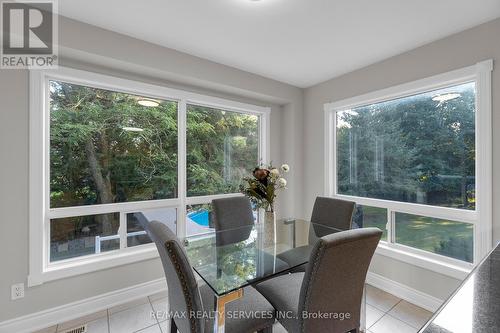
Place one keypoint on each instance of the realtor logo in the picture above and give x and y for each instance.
(29, 33)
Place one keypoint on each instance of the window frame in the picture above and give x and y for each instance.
(481, 217)
(40, 213)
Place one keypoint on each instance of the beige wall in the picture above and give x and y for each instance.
(91, 48)
(454, 52)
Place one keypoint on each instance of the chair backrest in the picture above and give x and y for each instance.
(231, 213)
(183, 293)
(334, 280)
(333, 213)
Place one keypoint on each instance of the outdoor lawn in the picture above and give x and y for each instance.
(450, 238)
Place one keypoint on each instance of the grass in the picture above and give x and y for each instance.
(440, 236)
(450, 238)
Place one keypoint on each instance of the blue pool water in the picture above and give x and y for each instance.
(200, 217)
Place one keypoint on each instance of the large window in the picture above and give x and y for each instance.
(410, 157)
(418, 149)
(108, 153)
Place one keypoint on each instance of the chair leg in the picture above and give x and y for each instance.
(173, 327)
(268, 329)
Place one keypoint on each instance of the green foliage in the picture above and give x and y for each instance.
(222, 148)
(412, 149)
(87, 125)
(105, 148)
(141, 163)
(228, 266)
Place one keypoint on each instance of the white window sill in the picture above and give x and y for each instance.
(92, 263)
(445, 266)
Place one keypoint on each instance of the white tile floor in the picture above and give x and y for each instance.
(385, 314)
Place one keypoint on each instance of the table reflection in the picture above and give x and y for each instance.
(233, 258)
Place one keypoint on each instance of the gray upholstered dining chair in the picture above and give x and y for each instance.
(231, 213)
(186, 298)
(332, 284)
(328, 212)
(235, 217)
(333, 212)
(228, 213)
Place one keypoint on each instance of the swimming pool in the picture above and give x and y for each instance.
(200, 217)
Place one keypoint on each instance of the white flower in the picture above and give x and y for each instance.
(282, 182)
(275, 172)
(285, 167)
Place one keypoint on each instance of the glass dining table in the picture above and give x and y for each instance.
(230, 260)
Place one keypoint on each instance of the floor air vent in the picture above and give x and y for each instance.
(80, 329)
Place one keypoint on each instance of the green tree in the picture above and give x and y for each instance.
(222, 148)
(412, 149)
(105, 147)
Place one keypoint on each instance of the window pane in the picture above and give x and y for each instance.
(198, 219)
(108, 147)
(448, 238)
(367, 217)
(136, 234)
(82, 235)
(418, 149)
(222, 148)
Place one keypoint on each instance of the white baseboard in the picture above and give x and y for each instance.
(402, 291)
(50, 317)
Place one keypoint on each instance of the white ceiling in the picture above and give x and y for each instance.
(301, 42)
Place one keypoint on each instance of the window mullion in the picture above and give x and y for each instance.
(182, 164)
(197, 200)
(391, 226)
(461, 215)
(122, 230)
(110, 208)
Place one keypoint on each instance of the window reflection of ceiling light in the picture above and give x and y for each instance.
(148, 102)
(446, 97)
(132, 129)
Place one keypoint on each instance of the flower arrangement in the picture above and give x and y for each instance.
(264, 184)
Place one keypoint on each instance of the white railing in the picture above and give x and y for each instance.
(99, 239)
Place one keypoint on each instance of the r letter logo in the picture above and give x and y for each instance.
(29, 31)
